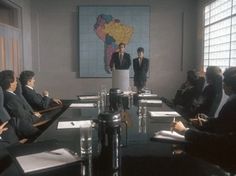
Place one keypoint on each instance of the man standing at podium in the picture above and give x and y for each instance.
(140, 66)
(121, 59)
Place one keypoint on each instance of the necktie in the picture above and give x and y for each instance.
(121, 58)
(140, 61)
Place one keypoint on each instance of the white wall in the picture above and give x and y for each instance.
(26, 31)
(54, 45)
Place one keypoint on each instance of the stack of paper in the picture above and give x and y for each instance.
(164, 114)
(74, 124)
(147, 95)
(169, 135)
(150, 101)
(83, 105)
(47, 159)
(91, 97)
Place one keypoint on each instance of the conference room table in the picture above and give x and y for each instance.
(141, 155)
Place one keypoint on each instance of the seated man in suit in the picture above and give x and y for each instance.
(211, 94)
(185, 95)
(226, 120)
(140, 66)
(37, 101)
(24, 118)
(121, 59)
(7, 135)
(216, 148)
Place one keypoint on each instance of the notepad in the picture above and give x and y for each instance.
(164, 134)
(164, 114)
(46, 159)
(88, 97)
(151, 101)
(74, 124)
(147, 95)
(82, 105)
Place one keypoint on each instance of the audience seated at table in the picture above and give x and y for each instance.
(38, 102)
(214, 139)
(215, 148)
(185, 94)
(211, 96)
(23, 118)
(226, 121)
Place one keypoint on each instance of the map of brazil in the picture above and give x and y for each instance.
(102, 28)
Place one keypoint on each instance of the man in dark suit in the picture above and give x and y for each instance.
(121, 59)
(7, 132)
(38, 102)
(24, 118)
(226, 121)
(140, 66)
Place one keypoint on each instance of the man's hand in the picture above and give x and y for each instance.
(45, 93)
(178, 126)
(37, 114)
(199, 119)
(3, 128)
(58, 101)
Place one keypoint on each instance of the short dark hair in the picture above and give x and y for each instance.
(192, 77)
(212, 73)
(230, 78)
(25, 76)
(6, 78)
(122, 44)
(140, 49)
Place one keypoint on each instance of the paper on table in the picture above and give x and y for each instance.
(147, 95)
(164, 134)
(82, 105)
(74, 124)
(88, 97)
(164, 114)
(151, 101)
(47, 159)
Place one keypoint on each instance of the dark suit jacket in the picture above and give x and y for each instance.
(140, 72)
(207, 100)
(216, 148)
(226, 121)
(126, 62)
(22, 117)
(9, 137)
(37, 101)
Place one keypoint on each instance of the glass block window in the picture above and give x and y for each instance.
(220, 34)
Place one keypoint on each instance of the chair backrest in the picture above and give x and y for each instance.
(4, 116)
(218, 97)
(18, 92)
(200, 85)
(10, 135)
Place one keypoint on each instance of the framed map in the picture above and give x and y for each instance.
(102, 28)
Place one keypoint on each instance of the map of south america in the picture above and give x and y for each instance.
(112, 32)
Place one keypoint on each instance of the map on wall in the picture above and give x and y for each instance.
(102, 28)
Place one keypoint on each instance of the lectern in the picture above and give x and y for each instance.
(120, 79)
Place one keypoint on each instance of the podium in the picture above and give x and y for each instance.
(120, 79)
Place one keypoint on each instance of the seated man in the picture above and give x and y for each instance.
(185, 95)
(216, 148)
(37, 101)
(211, 94)
(24, 118)
(7, 135)
(226, 121)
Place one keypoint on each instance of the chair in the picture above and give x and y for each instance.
(218, 96)
(9, 136)
(199, 85)
(4, 116)
(18, 92)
